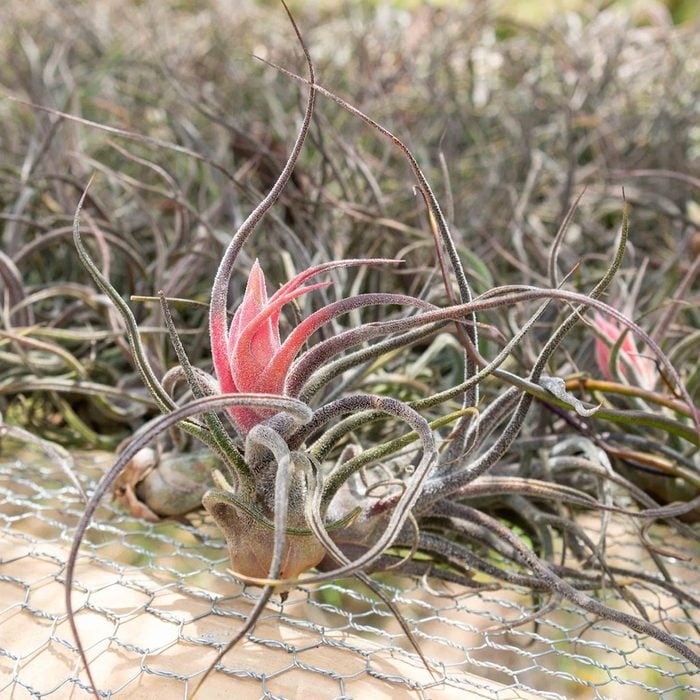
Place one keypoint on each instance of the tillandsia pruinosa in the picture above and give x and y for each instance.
(292, 492)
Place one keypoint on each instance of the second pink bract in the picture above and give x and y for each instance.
(644, 368)
(250, 357)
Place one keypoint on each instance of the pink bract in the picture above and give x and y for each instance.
(250, 357)
(644, 368)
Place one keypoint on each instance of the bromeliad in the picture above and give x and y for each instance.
(285, 506)
(250, 358)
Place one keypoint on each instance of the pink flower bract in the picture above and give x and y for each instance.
(643, 367)
(250, 357)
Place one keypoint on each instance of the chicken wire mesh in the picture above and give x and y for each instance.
(155, 604)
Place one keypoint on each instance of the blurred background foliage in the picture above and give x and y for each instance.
(510, 112)
(537, 11)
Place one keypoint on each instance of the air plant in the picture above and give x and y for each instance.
(293, 493)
